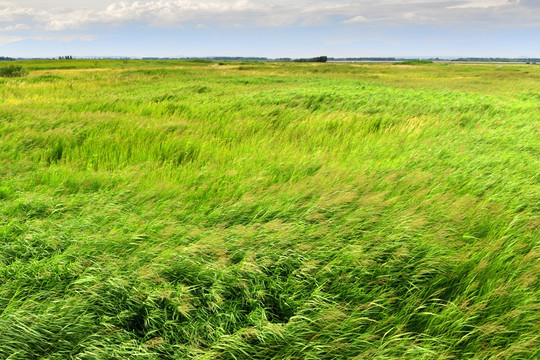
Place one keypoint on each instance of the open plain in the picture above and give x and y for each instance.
(206, 210)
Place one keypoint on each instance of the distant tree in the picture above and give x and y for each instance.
(321, 59)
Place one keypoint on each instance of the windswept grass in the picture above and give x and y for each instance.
(196, 210)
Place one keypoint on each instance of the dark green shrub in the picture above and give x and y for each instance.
(13, 71)
(321, 59)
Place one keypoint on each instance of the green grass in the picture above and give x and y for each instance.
(204, 210)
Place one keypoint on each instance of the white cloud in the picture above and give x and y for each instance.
(16, 27)
(356, 19)
(9, 39)
(484, 4)
(62, 15)
(166, 13)
(66, 38)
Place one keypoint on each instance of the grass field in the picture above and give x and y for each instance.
(204, 210)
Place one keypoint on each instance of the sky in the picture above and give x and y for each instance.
(301, 28)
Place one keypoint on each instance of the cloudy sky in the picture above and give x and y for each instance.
(279, 28)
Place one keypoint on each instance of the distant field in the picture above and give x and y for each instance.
(205, 210)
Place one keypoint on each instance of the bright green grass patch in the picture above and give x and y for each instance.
(197, 210)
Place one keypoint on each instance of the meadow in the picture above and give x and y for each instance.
(205, 210)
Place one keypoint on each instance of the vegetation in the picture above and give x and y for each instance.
(321, 59)
(12, 71)
(522, 60)
(414, 62)
(185, 210)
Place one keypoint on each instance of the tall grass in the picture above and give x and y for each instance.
(193, 210)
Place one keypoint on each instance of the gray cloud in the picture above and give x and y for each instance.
(59, 15)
